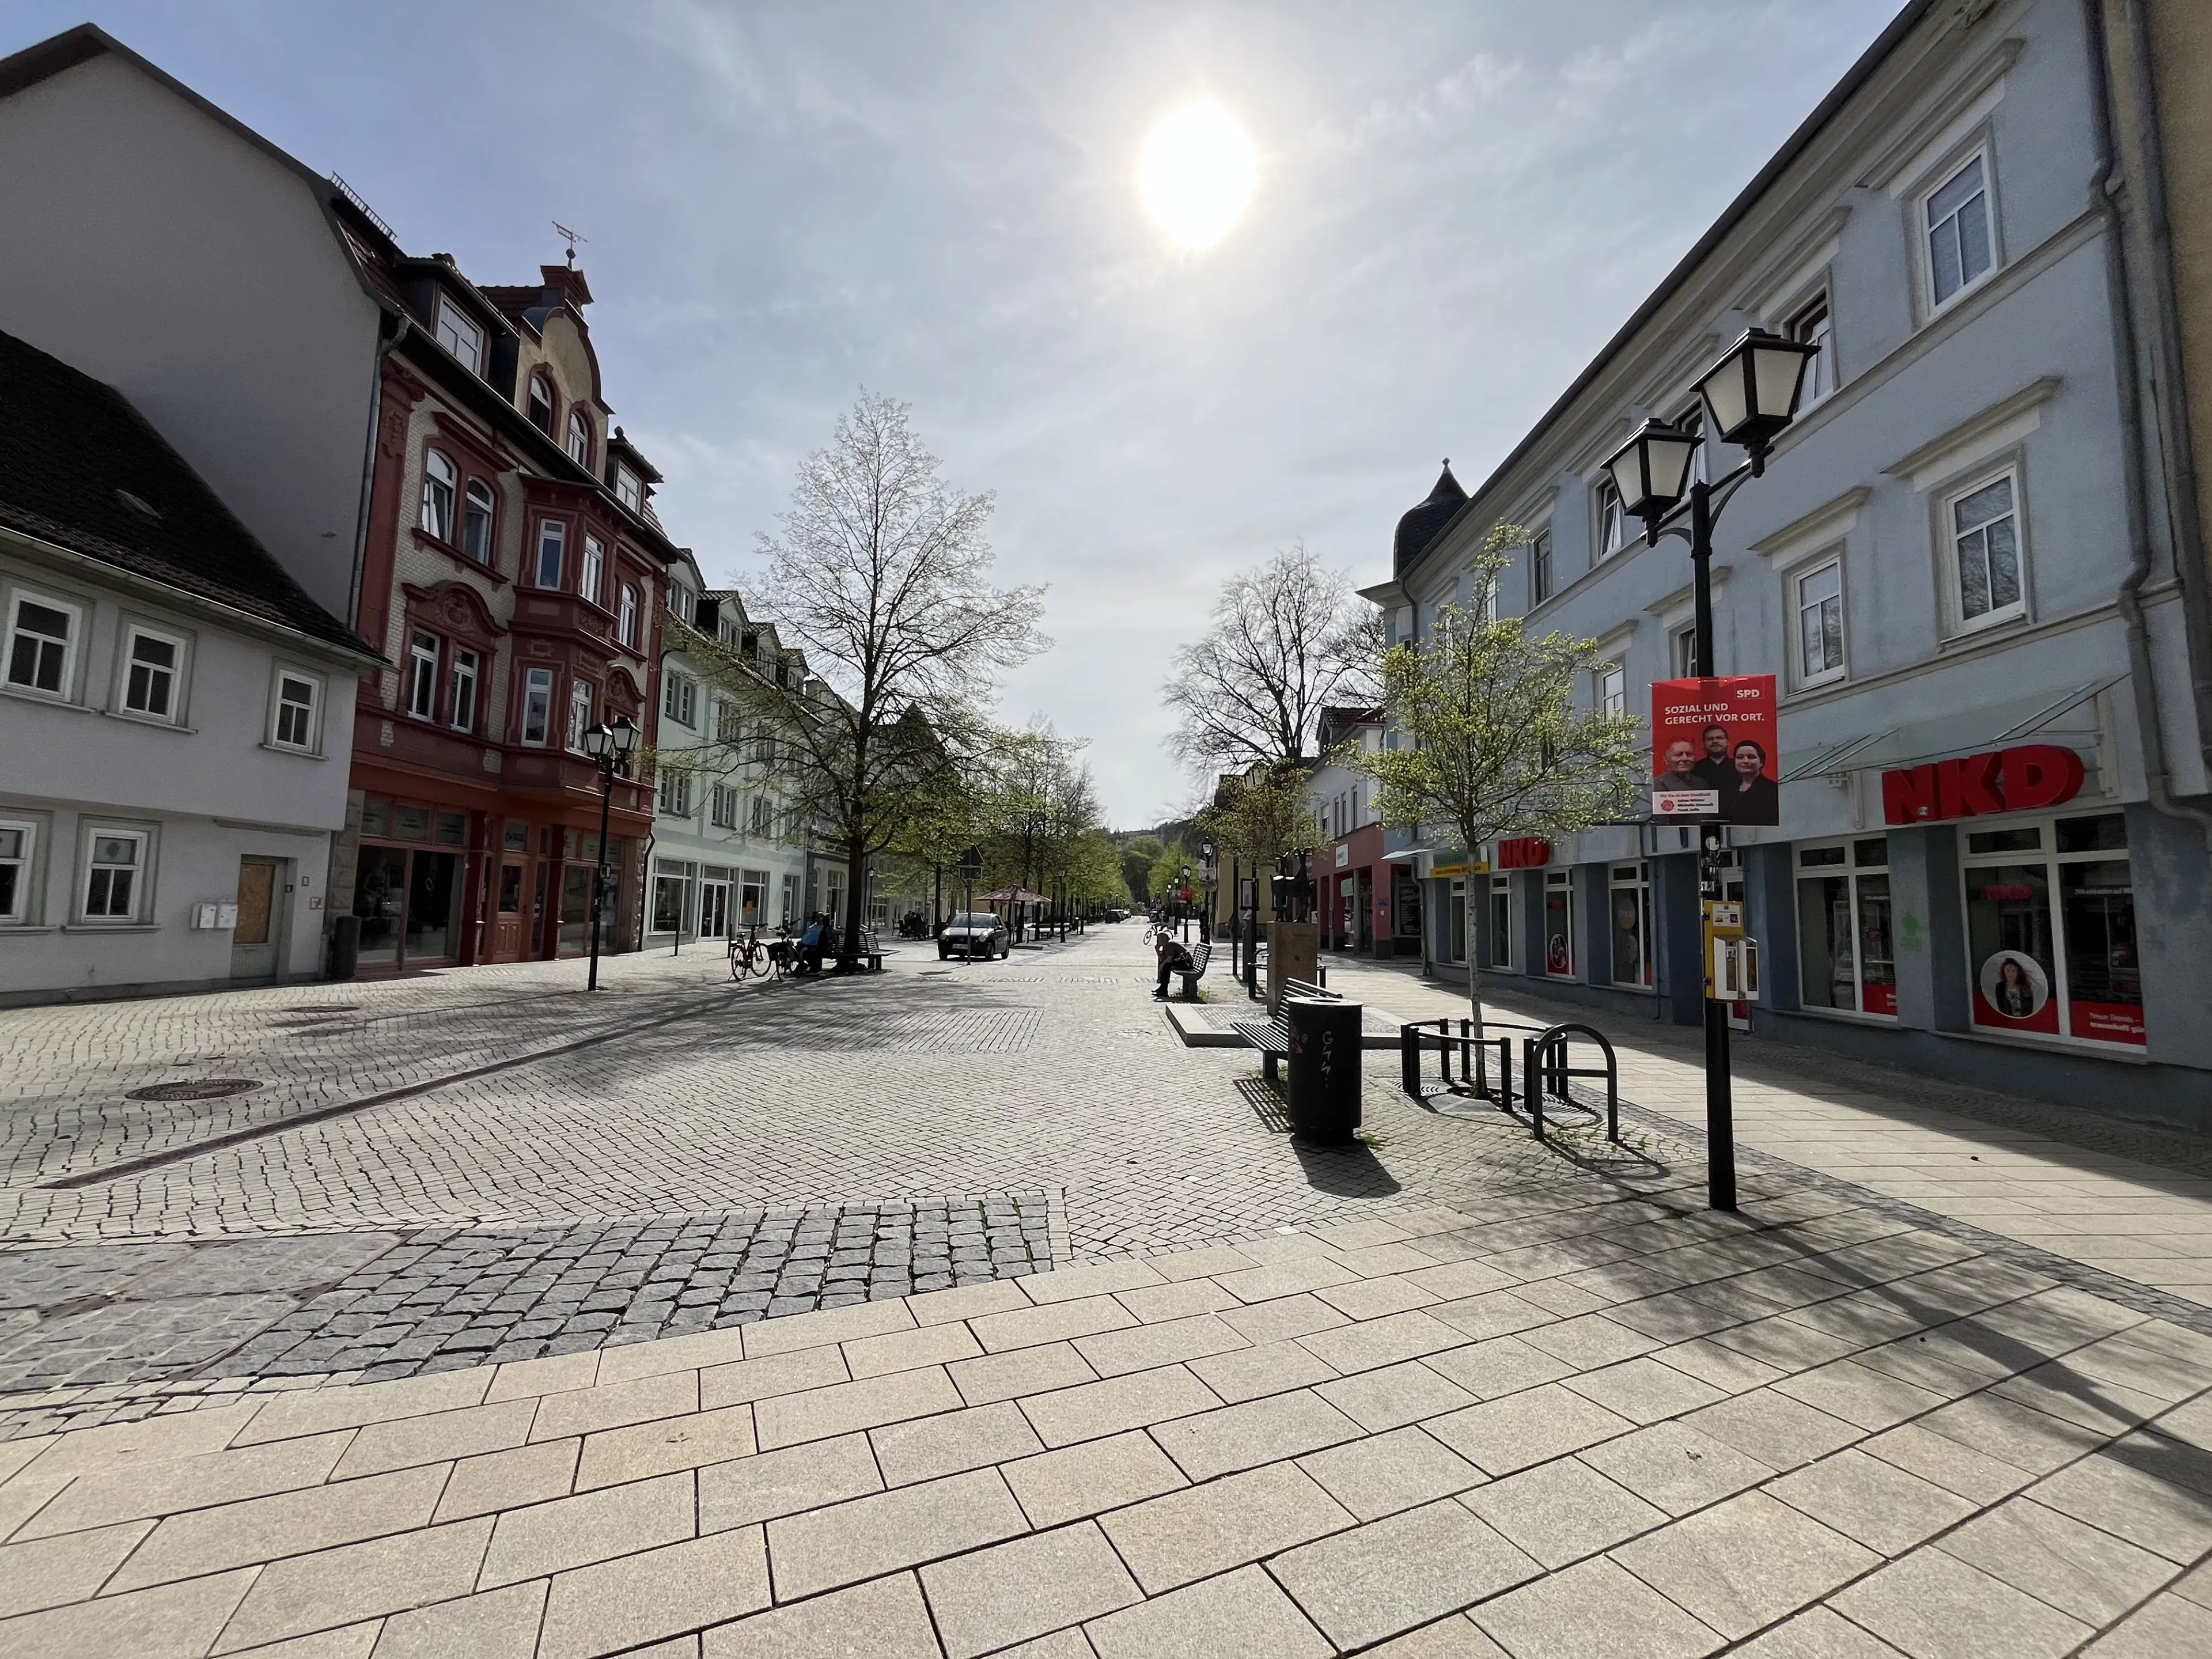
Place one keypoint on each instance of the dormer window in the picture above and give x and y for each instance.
(459, 335)
(629, 491)
(681, 601)
(579, 438)
(541, 404)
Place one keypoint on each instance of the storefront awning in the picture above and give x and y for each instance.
(2060, 715)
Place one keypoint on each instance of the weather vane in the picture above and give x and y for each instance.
(573, 237)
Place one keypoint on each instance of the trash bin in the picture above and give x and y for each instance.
(345, 947)
(1324, 1061)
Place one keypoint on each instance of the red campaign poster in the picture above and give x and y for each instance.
(1714, 754)
(2108, 1022)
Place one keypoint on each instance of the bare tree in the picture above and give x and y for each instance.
(1287, 639)
(880, 577)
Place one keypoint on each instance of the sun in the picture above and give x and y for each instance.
(1196, 174)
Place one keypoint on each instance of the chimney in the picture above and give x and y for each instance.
(566, 284)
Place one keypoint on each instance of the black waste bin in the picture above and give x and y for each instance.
(1324, 1062)
(345, 947)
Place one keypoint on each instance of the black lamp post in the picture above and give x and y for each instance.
(1750, 395)
(610, 749)
(1206, 871)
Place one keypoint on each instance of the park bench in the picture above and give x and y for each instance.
(1272, 1037)
(1200, 954)
(871, 950)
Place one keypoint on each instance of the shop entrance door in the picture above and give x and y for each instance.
(409, 904)
(575, 909)
(506, 912)
(253, 941)
(713, 909)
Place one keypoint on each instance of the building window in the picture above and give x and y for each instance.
(625, 624)
(1845, 956)
(1682, 652)
(1540, 568)
(676, 699)
(1693, 421)
(595, 564)
(729, 726)
(1959, 254)
(682, 604)
(1984, 526)
(423, 675)
(459, 335)
(579, 438)
(42, 646)
(1819, 605)
(477, 522)
(1631, 894)
(299, 700)
(1812, 325)
(2051, 930)
(439, 482)
(629, 491)
(1456, 921)
(463, 713)
(537, 706)
(675, 792)
(1611, 689)
(114, 876)
(763, 816)
(541, 404)
(18, 841)
(1501, 923)
(151, 664)
(1612, 522)
(723, 808)
(1559, 924)
(668, 903)
(552, 541)
(579, 712)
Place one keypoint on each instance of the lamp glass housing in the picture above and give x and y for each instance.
(1651, 470)
(599, 741)
(1752, 392)
(625, 734)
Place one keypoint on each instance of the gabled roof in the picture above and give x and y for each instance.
(82, 469)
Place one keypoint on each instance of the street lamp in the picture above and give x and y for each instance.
(1206, 871)
(610, 749)
(1750, 395)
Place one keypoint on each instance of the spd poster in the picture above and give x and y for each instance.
(1713, 751)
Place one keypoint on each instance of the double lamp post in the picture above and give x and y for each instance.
(610, 748)
(1749, 397)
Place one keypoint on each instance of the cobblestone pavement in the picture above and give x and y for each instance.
(1593, 1418)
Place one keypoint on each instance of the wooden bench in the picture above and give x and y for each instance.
(1272, 1037)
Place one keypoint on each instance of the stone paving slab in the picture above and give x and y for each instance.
(2041, 1484)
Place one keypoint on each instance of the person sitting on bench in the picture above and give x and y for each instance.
(810, 944)
(1174, 959)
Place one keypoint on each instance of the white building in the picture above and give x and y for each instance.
(727, 852)
(175, 713)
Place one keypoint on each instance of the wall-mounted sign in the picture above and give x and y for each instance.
(1343, 854)
(1523, 853)
(1458, 869)
(1713, 749)
(2016, 779)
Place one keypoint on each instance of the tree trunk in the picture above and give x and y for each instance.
(1474, 1009)
(856, 865)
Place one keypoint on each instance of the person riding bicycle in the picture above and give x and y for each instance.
(1174, 958)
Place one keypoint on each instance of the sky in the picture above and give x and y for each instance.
(1456, 204)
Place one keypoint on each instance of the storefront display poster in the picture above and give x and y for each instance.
(1714, 753)
(2012, 992)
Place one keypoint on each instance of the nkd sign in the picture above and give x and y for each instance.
(1523, 853)
(2001, 780)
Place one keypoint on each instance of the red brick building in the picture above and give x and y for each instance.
(514, 575)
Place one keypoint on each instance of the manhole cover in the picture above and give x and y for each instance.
(210, 1088)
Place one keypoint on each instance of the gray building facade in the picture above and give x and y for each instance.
(1960, 566)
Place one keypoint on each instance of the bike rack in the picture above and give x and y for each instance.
(1544, 1062)
(1545, 1067)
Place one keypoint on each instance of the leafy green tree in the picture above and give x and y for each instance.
(1489, 742)
(1137, 855)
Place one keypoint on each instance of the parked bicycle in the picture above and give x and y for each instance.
(749, 957)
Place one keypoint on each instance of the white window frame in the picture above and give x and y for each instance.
(536, 698)
(682, 604)
(1924, 233)
(1823, 373)
(1564, 881)
(578, 438)
(1946, 503)
(722, 807)
(1500, 959)
(1809, 676)
(580, 697)
(626, 623)
(1682, 652)
(126, 660)
(1609, 541)
(552, 532)
(19, 910)
(422, 690)
(1638, 882)
(442, 495)
(763, 818)
(629, 489)
(465, 672)
(1609, 687)
(89, 837)
(78, 613)
(1851, 872)
(489, 553)
(1543, 566)
(675, 792)
(2053, 862)
(460, 335)
(591, 578)
(680, 700)
(317, 690)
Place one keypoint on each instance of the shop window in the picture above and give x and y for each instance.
(408, 902)
(1630, 899)
(515, 837)
(1501, 923)
(1458, 920)
(18, 841)
(667, 904)
(2051, 930)
(1846, 959)
(1559, 924)
(753, 897)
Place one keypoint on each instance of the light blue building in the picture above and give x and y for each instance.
(1962, 547)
